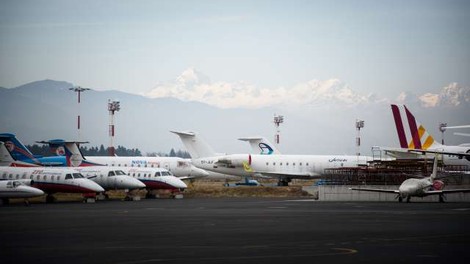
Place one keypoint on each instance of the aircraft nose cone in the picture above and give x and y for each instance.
(135, 184)
(36, 191)
(197, 172)
(126, 182)
(31, 191)
(175, 182)
(92, 186)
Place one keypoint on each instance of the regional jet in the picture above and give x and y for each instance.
(180, 167)
(418, 187)
(17, 189)
(282, 167)
(149, 178)
(49, 180)
(418, 141)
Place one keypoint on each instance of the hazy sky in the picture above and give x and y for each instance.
(133, 46)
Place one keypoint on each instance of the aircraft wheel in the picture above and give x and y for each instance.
(441, 199)
(50, 199)
(408, 199)
(400, 199)
(5, 201)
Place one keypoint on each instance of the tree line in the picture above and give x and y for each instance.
(43, 150)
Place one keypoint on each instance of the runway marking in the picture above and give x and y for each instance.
(337, 252)
(461, 209)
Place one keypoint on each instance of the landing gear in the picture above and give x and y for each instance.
(132, 196)
(150, 195)
(408, 199)
(89, 197)
(50, 198)
(283, 182)
(400, 199)
(5, 201)
(441, 198)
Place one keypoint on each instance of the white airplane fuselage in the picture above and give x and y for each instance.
(414, 187)
(310, 166)
(179, 167)
(52, 180)
(155, 178)
(110, 178)
(16, 189)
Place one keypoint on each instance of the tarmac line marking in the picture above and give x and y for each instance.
(339, 252)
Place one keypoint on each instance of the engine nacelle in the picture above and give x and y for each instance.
(236, 160)
(438, 185)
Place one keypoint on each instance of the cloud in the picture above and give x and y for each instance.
(192, 85)
(451, 95)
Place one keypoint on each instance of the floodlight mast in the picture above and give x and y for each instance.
(443, 127)
(79, 90)
(278, 120)
(113, 106)
(359, 125)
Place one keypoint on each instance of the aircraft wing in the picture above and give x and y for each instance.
(189, 177)
(401, 152)
(422, 151)
(374, 190)
(447, 191)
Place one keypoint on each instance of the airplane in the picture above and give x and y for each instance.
(49, 180)
(282, 167)
(418, 187)
(180, 167)
(417, 141)
(149, 178)
(260, 145)
(17, 189)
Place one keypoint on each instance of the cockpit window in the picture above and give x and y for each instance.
(157, 174)
(78, 175)
(111, 173)
(68, 176)
(120, 172)
(165, 173)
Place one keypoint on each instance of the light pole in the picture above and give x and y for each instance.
(278, 119)
(442, 128)
(79, 90)
(359, 125)
(113, 106)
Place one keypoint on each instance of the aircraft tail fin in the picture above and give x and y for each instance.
(73, 155)
(434, 169)
(5, 156)
(261, 145)
(17, 149)
(418, 137)
(195, 145)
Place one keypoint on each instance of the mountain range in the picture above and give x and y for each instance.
(323, 123)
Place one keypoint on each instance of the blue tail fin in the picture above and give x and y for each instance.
(17, 149)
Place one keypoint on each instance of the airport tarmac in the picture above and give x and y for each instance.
(235, 230)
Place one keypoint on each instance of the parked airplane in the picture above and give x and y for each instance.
(180, 167)
(260, 145)
(150, 178)
(17, 189)
(49, 180)
(282, 167)
(418, 187)
(107, 177)
(419, 141)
